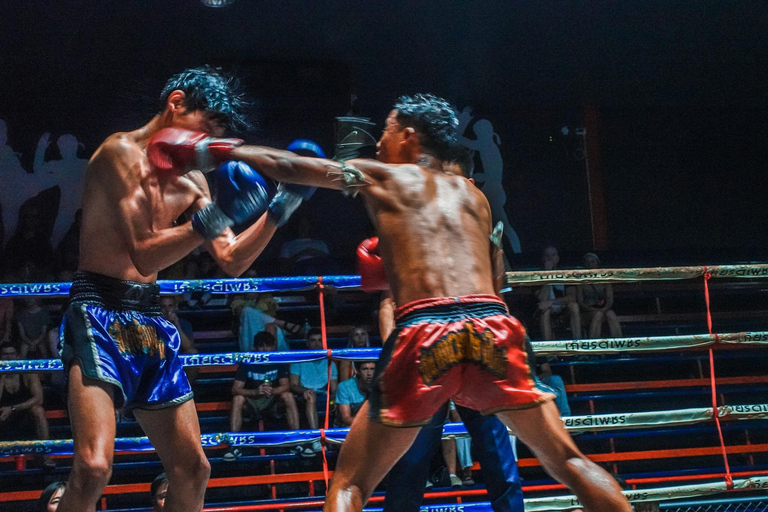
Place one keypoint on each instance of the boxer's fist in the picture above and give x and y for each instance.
(370, 266)
(289, 196)
(176, 148)
(242, 196)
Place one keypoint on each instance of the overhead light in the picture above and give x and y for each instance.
(217, 3)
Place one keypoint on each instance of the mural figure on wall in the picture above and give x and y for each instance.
(486, 143)
(68, 174)
(12, 195)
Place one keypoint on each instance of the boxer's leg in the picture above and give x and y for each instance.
(92, 415)
(541, 429)
(367, 455)
(175, 433)
(405, 482)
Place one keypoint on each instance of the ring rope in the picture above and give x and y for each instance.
(560, 347)
(306, 283)
(279, 439)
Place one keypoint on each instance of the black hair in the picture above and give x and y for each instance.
(463, 158)
(313, 332)
(433, 118)
(264, 339)
(211, 90)
(156, 483)
(48, 492)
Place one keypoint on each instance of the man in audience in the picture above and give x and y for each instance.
(556, 299)
(263, 389)
(33, 322)
(169, 305)
(21, 404)
(158, 490)
(358, 338)
(305, 255)
(596, 303)
(309, 381)
(257, 312)
(353, 392)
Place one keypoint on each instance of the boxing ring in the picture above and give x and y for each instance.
(725, 481)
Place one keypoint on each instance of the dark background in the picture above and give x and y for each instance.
(678, 88)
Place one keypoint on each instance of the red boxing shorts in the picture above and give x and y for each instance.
(469, 349)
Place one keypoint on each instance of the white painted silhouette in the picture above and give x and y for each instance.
(487, 144)
(68, 174)
(17, 183)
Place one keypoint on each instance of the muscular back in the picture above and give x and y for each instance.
(433, 233)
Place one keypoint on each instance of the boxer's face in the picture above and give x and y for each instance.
(195, 120)
(392, 145)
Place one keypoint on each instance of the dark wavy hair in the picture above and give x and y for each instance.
(211, 90)
(433, 119)
(45, 497)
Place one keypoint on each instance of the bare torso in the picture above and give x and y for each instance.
(433, 232)
(121, 191)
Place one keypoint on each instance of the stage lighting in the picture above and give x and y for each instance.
(217, 3)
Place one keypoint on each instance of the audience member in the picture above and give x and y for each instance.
(358, 338)
(21, 404)
(305, 255)
(10, 197)
(309, 381)
(34, 322)
(596, 303)
(555, 385)
(263, 389)
(51, 496)
(556, 299)
(257, 314)
(6, 319)
(169, 306)
(158, 490)
(353, 392)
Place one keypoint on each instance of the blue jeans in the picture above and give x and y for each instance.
(405, 486)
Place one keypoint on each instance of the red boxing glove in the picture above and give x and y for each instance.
(370, 266)
(175, 148)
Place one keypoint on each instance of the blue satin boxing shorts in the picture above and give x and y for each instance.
(115, 331)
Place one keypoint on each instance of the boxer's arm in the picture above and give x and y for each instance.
(386, 315)
(123, 168)
(233, 253)
(365, 175)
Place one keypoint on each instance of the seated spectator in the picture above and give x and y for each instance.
(30, 244)
(33, 322)
(596, 303)
(257, 314)
(309, 381)
(358, 338)
(6, 319)
(50, 498)
(457, 450)
(158, 490)
(21, 404)
(305, 255)
(353, 392)
(263, 389)
(169, 305)
(556, 299)
(555, 385)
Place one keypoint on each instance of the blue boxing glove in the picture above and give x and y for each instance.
(242, 196)
(289, 196)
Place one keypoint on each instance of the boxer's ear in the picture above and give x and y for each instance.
(176, 101)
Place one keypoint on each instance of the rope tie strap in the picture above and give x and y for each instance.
(713, 384)
(324, 334)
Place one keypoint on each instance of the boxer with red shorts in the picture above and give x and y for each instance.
(434, 230)
(469, 349)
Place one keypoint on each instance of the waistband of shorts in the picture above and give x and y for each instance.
(115, 294)
(466, 303)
